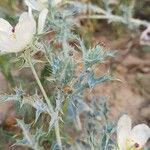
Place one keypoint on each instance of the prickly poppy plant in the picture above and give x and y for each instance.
(48, 28)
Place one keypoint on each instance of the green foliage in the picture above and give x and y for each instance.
(29, 140)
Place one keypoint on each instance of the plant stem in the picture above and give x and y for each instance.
(92, 147)
(57, 132)
(40, 85)
(56, 126)
(136, 22)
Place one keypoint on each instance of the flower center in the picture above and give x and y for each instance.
(131, 145)
(136, 145)
(13, 30)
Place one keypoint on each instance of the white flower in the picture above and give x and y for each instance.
(37, 4)
(131, 138)
(15, 39)
(145, 37)
(41, 4)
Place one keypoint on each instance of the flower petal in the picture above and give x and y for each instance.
(140, 134)
(17, 41)
(37, 5)
(7, 42)
(5, 26)
(4, 36)
(25, 30)
(123, 130)
(42, 20)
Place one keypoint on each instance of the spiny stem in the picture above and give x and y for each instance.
(116, 18)
(56, 126)
(40, 84)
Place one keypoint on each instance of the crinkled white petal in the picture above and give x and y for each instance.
(25, 17)
(4, 37)
(23, 35)
(140, 134)
(5, 26)
(25, 31)
(42, 20)
(36, 5)
(7, 42)
(123, 129)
